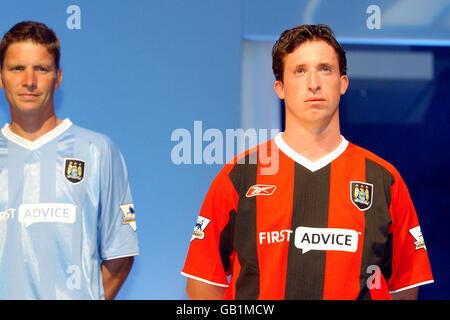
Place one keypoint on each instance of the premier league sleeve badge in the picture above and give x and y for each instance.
(199, 229)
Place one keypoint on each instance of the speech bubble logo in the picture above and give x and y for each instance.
(307, 239)
(47, 212)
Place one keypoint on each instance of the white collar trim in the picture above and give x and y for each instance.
(33, 145)
(311, 166)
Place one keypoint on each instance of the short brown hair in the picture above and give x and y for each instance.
(290, 39)
(34, 31)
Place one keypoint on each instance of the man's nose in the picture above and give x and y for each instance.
(313, 81)
(29, 79)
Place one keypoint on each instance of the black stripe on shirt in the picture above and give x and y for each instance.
(243, 176)
(306, 271)
(226, 242)
(377, 221)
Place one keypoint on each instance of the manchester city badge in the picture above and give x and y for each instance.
(361, 194)
(74, 170)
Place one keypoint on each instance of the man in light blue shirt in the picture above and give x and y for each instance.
(67, 221)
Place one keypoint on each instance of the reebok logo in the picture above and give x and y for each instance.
(260, 190)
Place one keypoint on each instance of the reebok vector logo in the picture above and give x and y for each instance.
(260, 190)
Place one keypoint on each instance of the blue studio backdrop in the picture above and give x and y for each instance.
(152, 74)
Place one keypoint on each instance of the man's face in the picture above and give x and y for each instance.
(29, 78)
(312, 85)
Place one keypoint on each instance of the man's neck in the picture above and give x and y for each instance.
(313, 144)
(32, 129)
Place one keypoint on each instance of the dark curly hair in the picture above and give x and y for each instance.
(290, 39)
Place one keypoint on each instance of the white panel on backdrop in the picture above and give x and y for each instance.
(383, 64)
(405, 22)
(260, 106)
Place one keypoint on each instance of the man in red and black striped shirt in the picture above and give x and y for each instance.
(333, 221)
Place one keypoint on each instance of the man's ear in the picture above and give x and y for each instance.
(59, 76)
(344, 84)
(1, 81)
(279, 89)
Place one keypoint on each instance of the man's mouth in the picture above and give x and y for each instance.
(28, 95)
(315, 99)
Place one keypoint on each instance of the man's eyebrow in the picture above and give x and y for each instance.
(321, 64)
(10, 64)
(325, 64)
(46, 65)
(300, 65)
(38, 64)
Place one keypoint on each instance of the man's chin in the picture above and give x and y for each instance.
(30, 110)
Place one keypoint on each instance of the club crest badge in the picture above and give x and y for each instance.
(361, 194)
(74, 170)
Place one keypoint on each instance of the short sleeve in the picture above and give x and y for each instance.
(410, 263)
(117, 219)
(210, 255)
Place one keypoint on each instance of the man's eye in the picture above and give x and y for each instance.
(324, 68)
(16, 68)
(300, 70)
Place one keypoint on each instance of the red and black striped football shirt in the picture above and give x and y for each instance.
(343, 227)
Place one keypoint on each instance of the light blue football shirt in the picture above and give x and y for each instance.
(65, 205)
